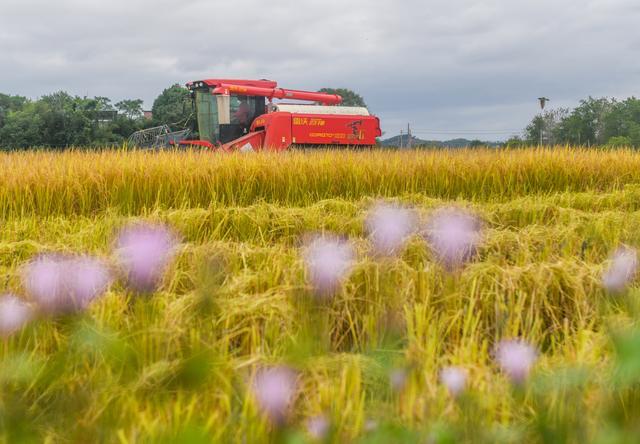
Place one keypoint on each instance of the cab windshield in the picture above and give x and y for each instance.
(222, 119)
(207, 116)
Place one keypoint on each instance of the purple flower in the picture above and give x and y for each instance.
(88, 278)
(318, 427)
(44, 281)
(453, 235)
(145, 251)
(328, 262)
(621, 271)
(14, 314)
(398, 379)
(274, 389)
(65, 284)
(371, 425)
(389, 227)
(515, 358)
(454, 379)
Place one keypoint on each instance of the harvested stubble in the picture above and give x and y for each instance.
(234, 298)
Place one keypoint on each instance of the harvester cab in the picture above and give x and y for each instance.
(222, 118)
(240, 115)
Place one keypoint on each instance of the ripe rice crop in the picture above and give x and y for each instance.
(520, 341)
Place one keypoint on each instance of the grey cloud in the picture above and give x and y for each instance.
(442, 64)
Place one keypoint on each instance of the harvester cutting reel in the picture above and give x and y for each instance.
(157, 137)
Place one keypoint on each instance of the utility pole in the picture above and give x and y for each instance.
(408, 136)
(541, 130)
(543, 101)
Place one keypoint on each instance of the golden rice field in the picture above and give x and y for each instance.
(179, 365)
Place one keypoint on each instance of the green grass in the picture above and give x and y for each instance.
(176, 366)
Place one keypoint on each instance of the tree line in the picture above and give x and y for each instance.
(594, 122)
(60, 120)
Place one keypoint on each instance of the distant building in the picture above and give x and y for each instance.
(105, 117)
(148, 115)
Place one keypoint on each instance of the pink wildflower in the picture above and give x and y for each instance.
(274, 389)
(145, 251)
(515, 358)
(454, 379)
(14, 314)
(623, 267)
(370, 426)
(328, 262)
(453, 235)
(65, 284)
(88, 278)
(398, 379)
(389, 227)
(318, 427)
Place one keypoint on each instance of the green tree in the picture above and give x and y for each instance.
(23, 128)
(515, 142)
(67, 120)
(619, 141)
(624, 121)
(12, 103)
(172, 106)
(61, 120)
(586, 124)
(573, 130)
(130, 108)
(9, 104)
(595, 121)
(349, 97)
(547, 123)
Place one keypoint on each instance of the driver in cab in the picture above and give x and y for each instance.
(243, 113)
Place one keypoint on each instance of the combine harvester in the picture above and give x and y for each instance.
(239, 115)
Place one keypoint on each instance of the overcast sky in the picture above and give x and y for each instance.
(449, 67)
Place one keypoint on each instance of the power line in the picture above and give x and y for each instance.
(466, 132)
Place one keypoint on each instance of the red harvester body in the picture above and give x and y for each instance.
(233, 115)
